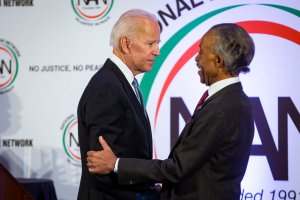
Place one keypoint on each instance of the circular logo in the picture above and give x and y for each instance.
(94, 11)
(70, 139)
(8, 65)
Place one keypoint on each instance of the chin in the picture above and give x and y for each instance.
(147, 69)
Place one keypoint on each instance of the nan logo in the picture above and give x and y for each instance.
(92, 12)
(70, 139)
(8, 65)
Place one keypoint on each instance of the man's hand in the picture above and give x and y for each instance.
(101, 162)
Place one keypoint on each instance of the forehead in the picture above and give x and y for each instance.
(207, 39)
(148, 29)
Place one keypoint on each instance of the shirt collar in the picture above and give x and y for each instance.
(217, 86)
(123, 67)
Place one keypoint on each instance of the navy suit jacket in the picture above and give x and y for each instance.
(209, 159)
(109, 107)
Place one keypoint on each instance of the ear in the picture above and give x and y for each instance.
(219, 61)
(124, 45)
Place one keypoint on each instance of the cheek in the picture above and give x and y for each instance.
(140, 59)
(206, 63)
(144, 56)
(140, 53)
(202, 62)
(137, 49)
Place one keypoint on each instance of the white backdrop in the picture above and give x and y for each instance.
(49, 50)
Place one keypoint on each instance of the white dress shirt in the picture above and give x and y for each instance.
(217, 86)
(124, 69)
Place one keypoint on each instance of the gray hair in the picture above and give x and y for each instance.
(235, 46)
(127, 25)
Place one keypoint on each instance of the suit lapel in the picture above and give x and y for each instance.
(229, 88)
(135, 103)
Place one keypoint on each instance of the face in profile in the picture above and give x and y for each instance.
(144, 47)
(207, 61)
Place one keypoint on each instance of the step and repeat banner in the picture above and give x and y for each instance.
(50, 49)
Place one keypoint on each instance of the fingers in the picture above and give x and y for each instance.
(97, 166)
(91, 153)
(101, 162)
(104, 144)
(92, 158)
(99, 170)
(90, 162)
(93, 169)
(93, 164)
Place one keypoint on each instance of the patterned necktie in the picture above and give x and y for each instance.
(202, 99)
(139, 94)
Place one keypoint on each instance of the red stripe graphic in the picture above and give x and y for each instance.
(261, 27)
(91, 16)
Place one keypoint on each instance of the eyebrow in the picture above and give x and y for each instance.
(153, 41)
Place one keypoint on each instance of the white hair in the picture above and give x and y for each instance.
(127, 25)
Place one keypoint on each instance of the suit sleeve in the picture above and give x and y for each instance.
(200, 139)
(103, 112)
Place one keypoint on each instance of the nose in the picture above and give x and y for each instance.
(156, 50)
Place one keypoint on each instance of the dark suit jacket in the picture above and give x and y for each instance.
(209, 159)
(109, 107)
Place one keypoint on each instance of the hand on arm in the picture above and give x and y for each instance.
(101, 162)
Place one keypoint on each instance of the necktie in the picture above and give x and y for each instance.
(138, 94)
(202, 99)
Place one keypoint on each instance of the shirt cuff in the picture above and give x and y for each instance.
(116, 165)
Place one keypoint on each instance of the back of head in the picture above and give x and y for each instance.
(235, 46)
(127, 25)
